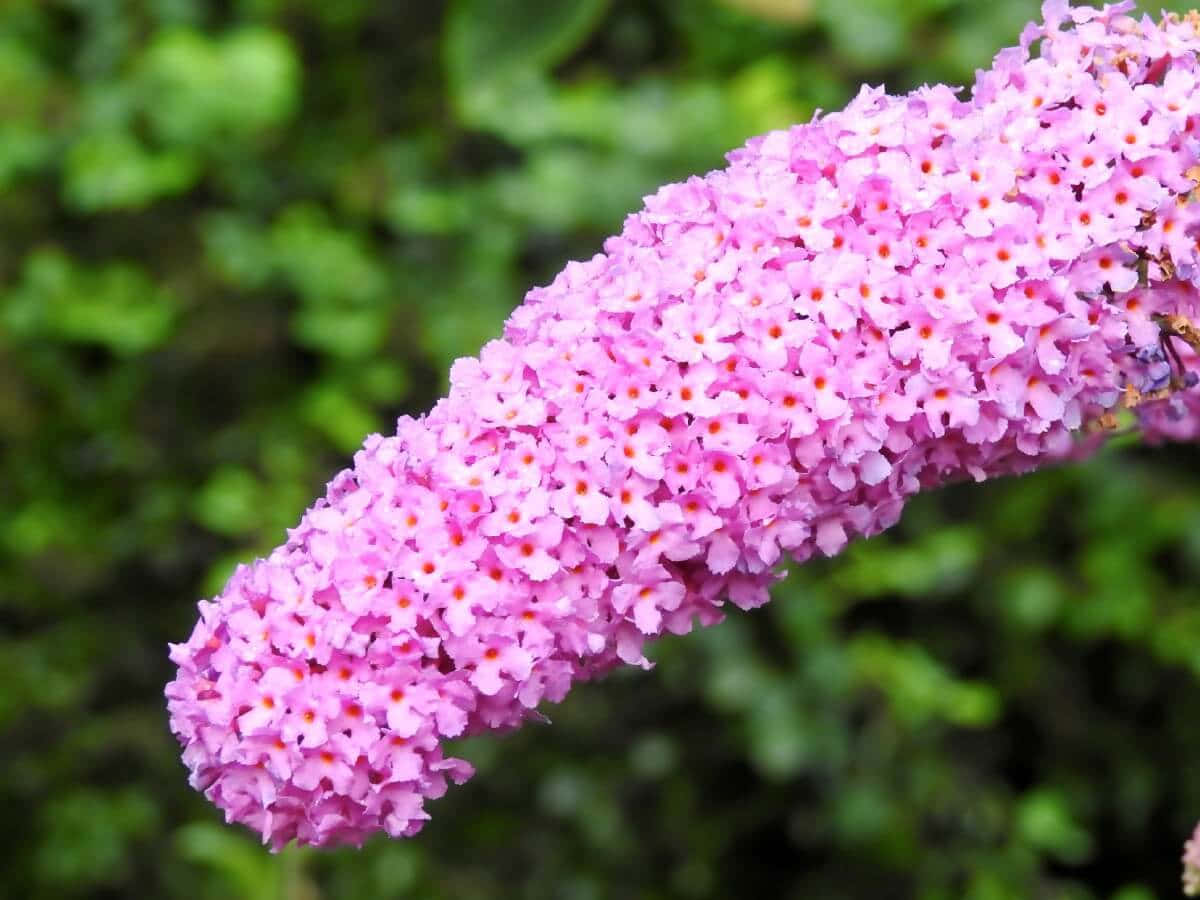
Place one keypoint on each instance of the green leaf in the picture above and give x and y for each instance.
(780, 745)
(115, 305)
(25, 142)
(570, 187)
(201, 91)
(1044, 820)
(497, 53)
(1133, 892)
(324, 263)
(346, 333)
(237, 249)
(338, 415)
(864, 811)
(89, 834)
(487, 41)
(230, 502)
(251, 871)
(871, 34)
(383, 381)
(919, 687)
(1032, 596)
(939, 562)
(785, 12)
(23, 148)
(114, 171)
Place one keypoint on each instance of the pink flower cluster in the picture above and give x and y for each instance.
(767, 362)
(1191, 864)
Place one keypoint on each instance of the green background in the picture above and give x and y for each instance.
(238, 236)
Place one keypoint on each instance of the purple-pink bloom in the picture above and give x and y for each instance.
(767, 361)
(1191, 864)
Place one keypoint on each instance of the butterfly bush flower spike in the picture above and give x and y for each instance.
(767, 362)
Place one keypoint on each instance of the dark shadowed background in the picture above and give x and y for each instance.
(235, 237)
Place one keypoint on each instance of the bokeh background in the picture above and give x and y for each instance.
(238, 235)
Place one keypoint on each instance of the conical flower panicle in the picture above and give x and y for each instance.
(767, 362)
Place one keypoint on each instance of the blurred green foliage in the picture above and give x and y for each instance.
(240, 235)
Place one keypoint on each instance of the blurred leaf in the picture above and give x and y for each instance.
(338, 416)
(325, 264)
(488, 42)
(237, 249)
(765, 94)
(1044, 820)
(1133, 892)
(427, 209)
(939, 562)
(115, 305)
(230, 502)
(918, 687)
(870, 34)
(690, 122)
(25, 144)
(49, 672)
(1032, 596)
(89, 835)
(201, 91)
(497, 56)
(789, 12)
(385, 381)
(864, 812)
(250, 872)
(113, 171)
(568, 187)
(780, 744)
(24, 80)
